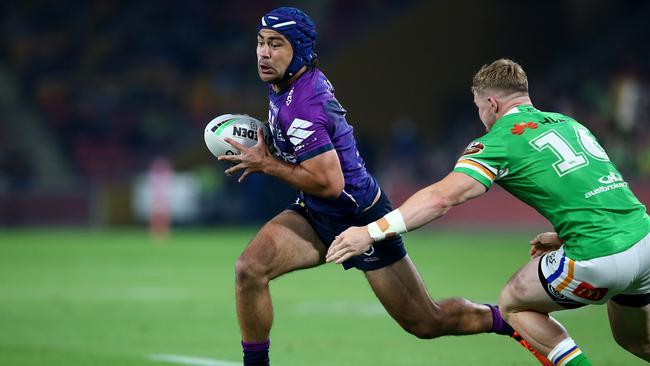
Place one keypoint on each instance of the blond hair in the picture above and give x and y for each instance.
(503, 74)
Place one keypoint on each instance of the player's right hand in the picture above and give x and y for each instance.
(544, 242)
(251, 159)
(350, 243)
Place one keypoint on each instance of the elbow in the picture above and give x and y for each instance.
(440, 203)
(328, 186)
(332, 188)
(332, 191)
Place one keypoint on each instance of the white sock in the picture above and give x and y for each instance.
(564, 352)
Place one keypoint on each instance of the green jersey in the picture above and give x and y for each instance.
(554, 164)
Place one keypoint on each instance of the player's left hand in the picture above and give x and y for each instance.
(350, 243)
(543, 243)
(251, 159)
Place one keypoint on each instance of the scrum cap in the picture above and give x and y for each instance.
(299, 29)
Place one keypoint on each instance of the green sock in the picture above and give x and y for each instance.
(580, 360)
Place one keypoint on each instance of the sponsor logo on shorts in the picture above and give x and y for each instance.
(370, 251)
(587, 291)
(553, 292)
(550, 259)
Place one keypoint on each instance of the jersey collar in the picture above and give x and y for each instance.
(520, 109)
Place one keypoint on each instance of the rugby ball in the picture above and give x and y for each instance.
(239, 127)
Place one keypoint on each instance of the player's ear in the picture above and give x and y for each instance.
(494, 105)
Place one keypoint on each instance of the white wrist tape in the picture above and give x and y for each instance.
(392, 224)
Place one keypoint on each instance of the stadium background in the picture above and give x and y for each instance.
(92, 93)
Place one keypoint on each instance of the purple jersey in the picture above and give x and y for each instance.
(306, 120)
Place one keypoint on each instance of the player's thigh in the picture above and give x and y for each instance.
(630, 324)
(284, 244)
(629, 310)
(525, 290)
(400, 288)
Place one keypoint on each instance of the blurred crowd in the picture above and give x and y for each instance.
(112, 88)
(120, 82)
(116, 84)
(614, 103)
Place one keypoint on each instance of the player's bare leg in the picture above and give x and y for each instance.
(402, 292)
(284, 244)
(631, 328)
(525, 305)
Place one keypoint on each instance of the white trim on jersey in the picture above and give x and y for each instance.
(350, 197)
(512, 111)
(484, 164)
(477, 166)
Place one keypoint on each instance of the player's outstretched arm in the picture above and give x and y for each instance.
(320, 176)
(435, 200)
(421, 208)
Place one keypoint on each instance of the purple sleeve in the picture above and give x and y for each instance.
(308, 132)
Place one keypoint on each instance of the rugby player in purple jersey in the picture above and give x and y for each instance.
(316, 153)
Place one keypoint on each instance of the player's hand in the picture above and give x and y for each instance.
(251, 159)
(544, 242)
(350, 243)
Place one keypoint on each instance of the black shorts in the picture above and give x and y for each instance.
(380, 254)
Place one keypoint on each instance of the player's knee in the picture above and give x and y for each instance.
(249, 272)
(427, 324)
(640, 348)
(511, 297)
(424, 330)
(505, 304)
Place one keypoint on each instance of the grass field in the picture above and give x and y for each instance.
(115, 298)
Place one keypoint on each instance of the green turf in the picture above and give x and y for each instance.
(114, 298)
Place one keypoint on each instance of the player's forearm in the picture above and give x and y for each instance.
(421, 208)
(300, 178)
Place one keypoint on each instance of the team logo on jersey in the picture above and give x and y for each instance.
(587, 291)
(474, 148)
(520, 128)
(298, 131)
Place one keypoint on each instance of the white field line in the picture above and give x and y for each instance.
(189, 360)
(340, 308)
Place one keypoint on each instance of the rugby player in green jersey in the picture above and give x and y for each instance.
(600, 250)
